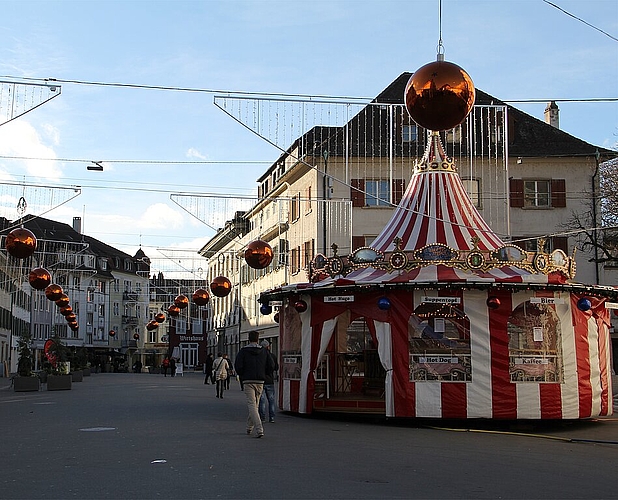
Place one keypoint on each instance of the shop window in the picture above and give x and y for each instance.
(534, 344)
(439, 344)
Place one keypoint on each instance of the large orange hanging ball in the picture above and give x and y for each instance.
(63, 300)
(39, 278)
(173, 310)
(20, 243)
(221, 286)
(181, 301)
(200, 297)
(66, 310)
(258, 254)
(439, 95)
(53, 292)
(152, 325)
(159, 318)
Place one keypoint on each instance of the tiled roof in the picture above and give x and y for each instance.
(528, 136)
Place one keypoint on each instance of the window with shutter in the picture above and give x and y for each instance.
(558, 193)
(357, 242)
(398, 189)
(357, 192)
(516, 193)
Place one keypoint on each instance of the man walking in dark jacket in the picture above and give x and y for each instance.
(252, 365)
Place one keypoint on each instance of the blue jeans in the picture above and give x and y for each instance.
(267, 402)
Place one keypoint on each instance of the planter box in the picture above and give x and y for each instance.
(86, 372)
(77, 376)
(26, 384)
(59, 382)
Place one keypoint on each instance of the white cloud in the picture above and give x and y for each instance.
(194, 153)
(20, 138)
(161, 216)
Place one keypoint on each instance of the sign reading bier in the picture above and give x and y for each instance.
(546, 300)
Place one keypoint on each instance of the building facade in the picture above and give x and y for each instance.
(335, 187)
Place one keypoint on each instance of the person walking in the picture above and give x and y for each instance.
(230, 372)
(165, 365)
(220, 369)
(208, 368)
(252, 364)
(267, 400)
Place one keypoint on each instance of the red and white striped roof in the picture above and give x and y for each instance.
(436, 209)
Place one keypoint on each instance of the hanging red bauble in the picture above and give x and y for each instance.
(20, 243)
(439, 95)
(63, 301)
(53, 292)
(493, 302)
(74, 326)
(152, 325)
(173, 311)
(258, 254)
(136, 336)
(112, 333)
(221, 286)
(300, 306)
(39, 278)
(66, 310)
(70, 317)
(181, 301)
(159, 318)
(200, 297)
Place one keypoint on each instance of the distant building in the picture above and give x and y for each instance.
(107, 290)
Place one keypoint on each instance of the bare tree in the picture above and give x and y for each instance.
(596, 228)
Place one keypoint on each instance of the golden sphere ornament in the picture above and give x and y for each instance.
(152, 325)
(70, 318)
(66, 310)
(159, 318)
(63, 300)
(173, 310)
(258, 254)
(181, 301)
(20, 243)
(221, 286)
(200, 297)
(53, 292)
(39, 278)
(439, 95)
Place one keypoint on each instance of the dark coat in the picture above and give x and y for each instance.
(269, 379)
(253, 363)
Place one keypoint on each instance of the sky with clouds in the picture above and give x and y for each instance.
(146, 137)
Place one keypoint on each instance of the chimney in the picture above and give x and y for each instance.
(552, 114)
(77, 224)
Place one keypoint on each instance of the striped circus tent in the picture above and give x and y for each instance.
(440, 318)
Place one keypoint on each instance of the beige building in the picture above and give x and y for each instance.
(338, 184)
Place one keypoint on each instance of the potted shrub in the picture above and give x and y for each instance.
(26, 380)
(82, 360)
(58, 378)
(77, 373)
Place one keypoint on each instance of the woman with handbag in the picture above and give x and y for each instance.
(220, 371)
